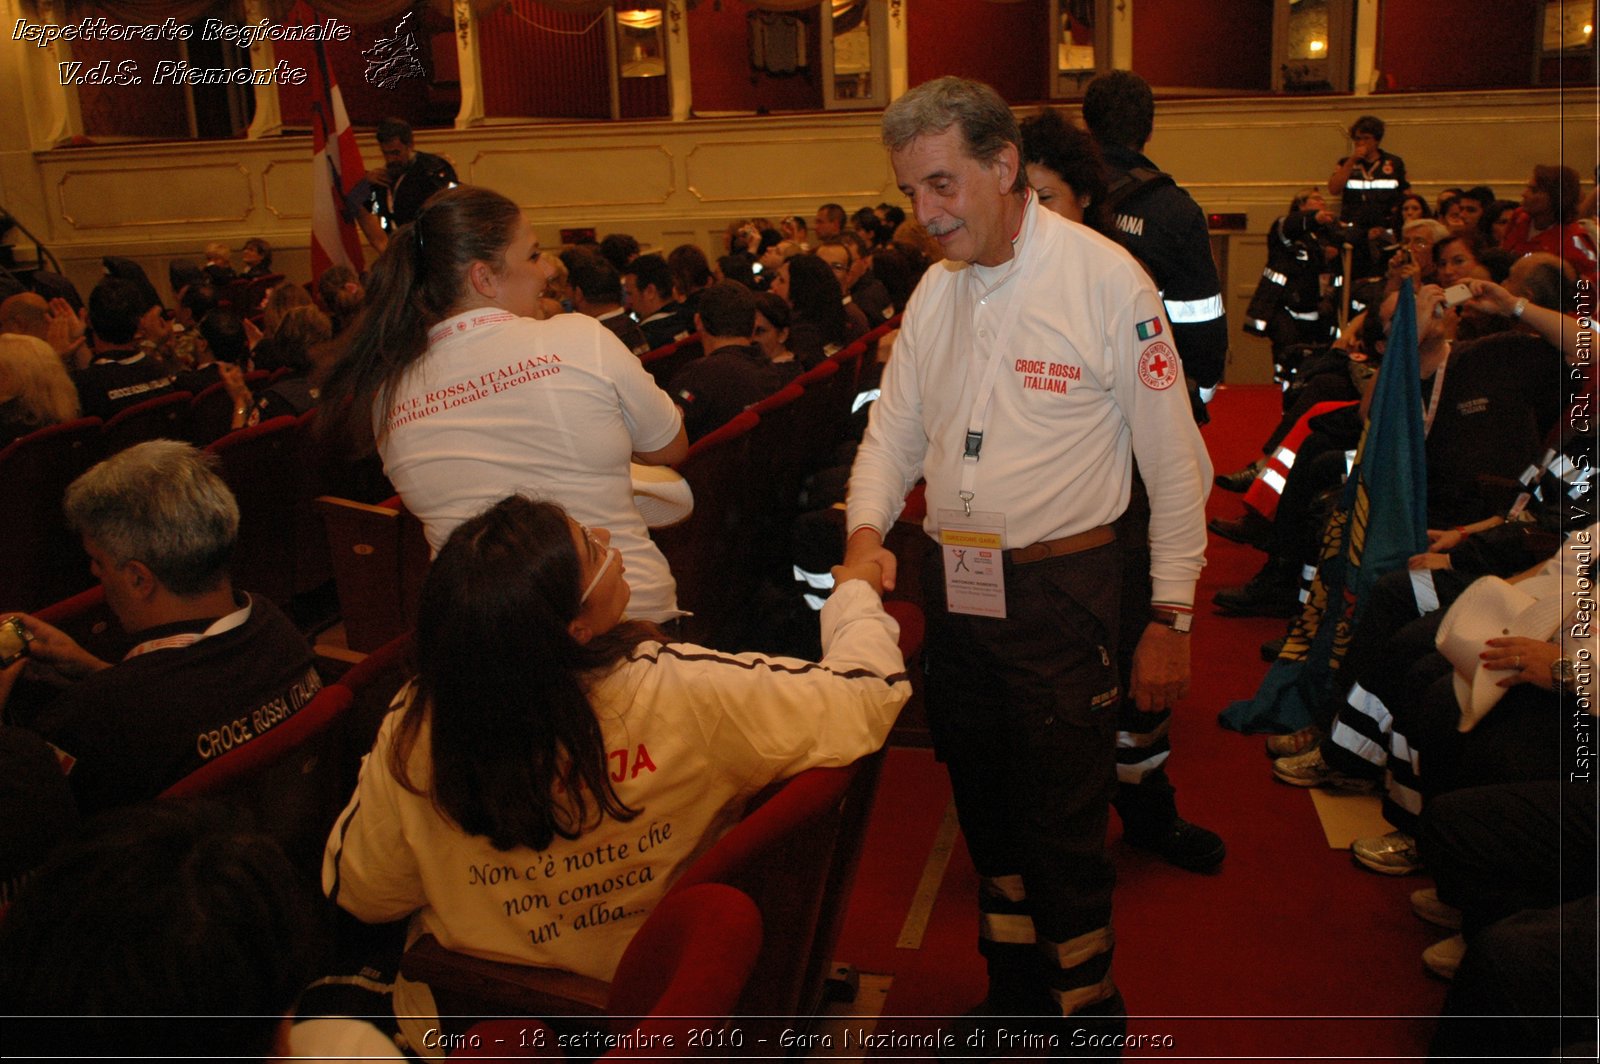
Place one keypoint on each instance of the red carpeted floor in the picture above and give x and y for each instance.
(1289, 951)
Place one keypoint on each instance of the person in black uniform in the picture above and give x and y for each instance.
(1287, 305)
(213, 669)
(396, 193)
(647, 286)
(120, 374)
(1370, 184)
(734, 373)
(597, 292)
(1162, 226)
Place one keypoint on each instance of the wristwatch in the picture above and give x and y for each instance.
(1563, 676)
(1178, 621)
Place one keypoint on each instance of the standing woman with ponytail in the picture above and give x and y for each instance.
(468, 397)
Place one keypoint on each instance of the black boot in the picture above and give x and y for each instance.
(1250, 528)
(1181, 844)
(1272, 592)
(1150, 821)
(1239, 481)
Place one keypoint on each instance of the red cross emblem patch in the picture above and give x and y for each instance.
(1158, 366)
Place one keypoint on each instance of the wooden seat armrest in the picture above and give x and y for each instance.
(520, 989)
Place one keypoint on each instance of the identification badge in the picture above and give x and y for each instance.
(972, 546)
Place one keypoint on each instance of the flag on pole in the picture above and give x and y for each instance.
(1380, 521)
(336, 167)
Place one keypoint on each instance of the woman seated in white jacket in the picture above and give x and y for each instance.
(554, 766)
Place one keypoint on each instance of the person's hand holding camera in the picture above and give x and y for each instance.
(1402, 266)
(43, 652)
(1490, 297)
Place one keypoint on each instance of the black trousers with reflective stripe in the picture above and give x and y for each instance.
(1389, 643)
(1145, 799)
(1519, 741)
(1023, 713)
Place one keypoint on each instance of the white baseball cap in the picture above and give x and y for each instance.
(1487, 609)
(661, 495)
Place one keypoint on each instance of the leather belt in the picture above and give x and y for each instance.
(1055, 548)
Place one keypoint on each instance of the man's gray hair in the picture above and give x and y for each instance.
(160, 503)
(987, 124)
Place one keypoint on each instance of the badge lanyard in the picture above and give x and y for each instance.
(471, 321)
(188, 639)
(1433, 398)
(973, 544)
(979, 416)
(1530, 477)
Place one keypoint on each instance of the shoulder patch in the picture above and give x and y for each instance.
(1148, 330)
(1158, 367)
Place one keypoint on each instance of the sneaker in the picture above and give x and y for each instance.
(1394, 854)
(1426, 904)
(1296, 742)
(1443, 958)
(1310, 770)
(1188, 846)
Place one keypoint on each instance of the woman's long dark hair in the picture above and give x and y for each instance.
(816, 297)
(1052, 141)
(517, 753)
(415, 284)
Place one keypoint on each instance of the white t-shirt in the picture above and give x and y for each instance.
(554, 409)
(692, 734)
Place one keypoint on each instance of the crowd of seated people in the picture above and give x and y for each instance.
(1459, 716)
(123, 345)
(1475, 238)
(1496, 404)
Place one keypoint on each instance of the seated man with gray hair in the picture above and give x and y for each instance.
(214, 668)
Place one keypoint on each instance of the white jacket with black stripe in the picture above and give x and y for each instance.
(692, 733)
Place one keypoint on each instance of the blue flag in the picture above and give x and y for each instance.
(1381, 520)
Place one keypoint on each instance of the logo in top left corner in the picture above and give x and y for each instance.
(395, 58)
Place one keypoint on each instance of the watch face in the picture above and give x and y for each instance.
(1178, 622)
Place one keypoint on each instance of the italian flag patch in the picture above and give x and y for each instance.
(1148, 330)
